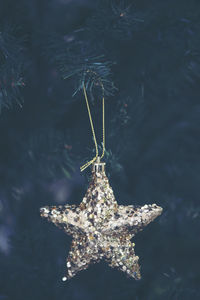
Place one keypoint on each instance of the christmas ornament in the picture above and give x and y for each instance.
(100, 228)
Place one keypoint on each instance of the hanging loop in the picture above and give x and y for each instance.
(87, 164)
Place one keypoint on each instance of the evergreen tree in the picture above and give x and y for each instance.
(144, 57)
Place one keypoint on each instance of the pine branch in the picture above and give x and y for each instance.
(50, 153)
(77, 57)
(115, 20)
(12, 67)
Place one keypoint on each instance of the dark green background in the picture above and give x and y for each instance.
(153, 147)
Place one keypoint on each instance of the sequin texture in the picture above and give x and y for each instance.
(100, 228)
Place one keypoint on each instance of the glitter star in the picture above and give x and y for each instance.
(101, 228)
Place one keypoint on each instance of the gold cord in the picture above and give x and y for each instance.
(103, 119)
(87, 164)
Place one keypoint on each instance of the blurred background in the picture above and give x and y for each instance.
(146, 54)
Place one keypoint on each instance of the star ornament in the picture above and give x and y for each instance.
(101, 228)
